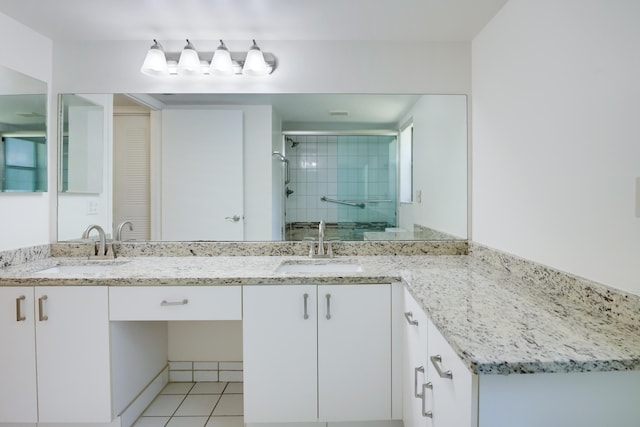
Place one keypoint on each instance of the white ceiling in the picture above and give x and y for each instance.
(395, 20)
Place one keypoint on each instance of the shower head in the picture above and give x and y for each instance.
(279, 156)
(293, 143)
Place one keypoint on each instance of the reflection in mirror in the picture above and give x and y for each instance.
(81, 145)
(23, 143)
(84, 167)
(302, 159)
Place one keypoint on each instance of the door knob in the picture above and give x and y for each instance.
(234, 218)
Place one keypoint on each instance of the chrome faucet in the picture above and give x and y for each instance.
(102, 249)
(321, 238)
(321, 252)
(120, 227)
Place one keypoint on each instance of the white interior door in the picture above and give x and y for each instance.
(202, 175)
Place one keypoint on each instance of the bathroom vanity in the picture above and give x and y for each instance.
(428, 340)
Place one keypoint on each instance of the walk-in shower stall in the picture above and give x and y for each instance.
(347, 180)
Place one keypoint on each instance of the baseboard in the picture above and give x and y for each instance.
(146, 396)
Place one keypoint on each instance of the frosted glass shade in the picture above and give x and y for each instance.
(189, 62)
(221, 64)
(254, 63)
(155, 63)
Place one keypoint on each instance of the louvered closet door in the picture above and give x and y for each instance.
(131, 174)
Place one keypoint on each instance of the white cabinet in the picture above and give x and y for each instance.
(414, 332)
(18, 395)
(317, 353)
(438, 388)
(69, 327)
(454, 397)
(451, 397)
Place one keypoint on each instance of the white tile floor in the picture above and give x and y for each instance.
(200, 404)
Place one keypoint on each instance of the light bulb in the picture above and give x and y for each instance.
(155, 63)
(254, 63)
(189, 62)
(221, 64)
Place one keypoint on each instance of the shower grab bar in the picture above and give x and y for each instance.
(342, 202)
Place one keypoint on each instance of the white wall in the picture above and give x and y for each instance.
(440, 165)
(24, 218)
(302, 66)
(555, 136)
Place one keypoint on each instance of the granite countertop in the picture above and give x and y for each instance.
(496, 323)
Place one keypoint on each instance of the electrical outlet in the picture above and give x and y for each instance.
(419, 196)
(93, 207)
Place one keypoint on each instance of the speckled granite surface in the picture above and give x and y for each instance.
(23, 255)
(340, 248)
(496, 322)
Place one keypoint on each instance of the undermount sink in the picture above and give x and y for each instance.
(318, 267)
(85, 268)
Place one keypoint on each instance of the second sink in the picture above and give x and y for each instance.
(318, 267)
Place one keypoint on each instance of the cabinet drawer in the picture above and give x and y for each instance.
(175, 303)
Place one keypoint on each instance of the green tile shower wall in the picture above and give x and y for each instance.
(344, 168)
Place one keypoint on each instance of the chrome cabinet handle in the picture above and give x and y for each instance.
(234, 218)
(409, 316)
(19, 316)
(41, 316)
(436, 360)
(306, 314)
(166, 303)
(328, 306)
(425, 413)
(415, 381)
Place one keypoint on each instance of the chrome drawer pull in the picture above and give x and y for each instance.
(166, 303)
(328, 306)
(409, 316)
(425, 413)
(415, 381)
(41, 316)
(436, 360)
(19, 316)
(306, 314)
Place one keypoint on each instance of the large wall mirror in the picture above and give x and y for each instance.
(23, 130)
(271, 167)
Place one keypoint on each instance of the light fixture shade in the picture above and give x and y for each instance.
(221, 64)
(189, 62)
(155, 63)
(254, 63)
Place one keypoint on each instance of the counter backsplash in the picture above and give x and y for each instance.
(613, 303)
(23, 255)
(340, 248)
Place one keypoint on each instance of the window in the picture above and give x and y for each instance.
(24, 164)
(406, 163)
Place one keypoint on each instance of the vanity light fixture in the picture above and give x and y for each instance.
(223, 62)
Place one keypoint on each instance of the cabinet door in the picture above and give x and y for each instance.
(453, 401)
(72, 339)
(280, 353)
(18, 400)
(354, 352)
(414, 328)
